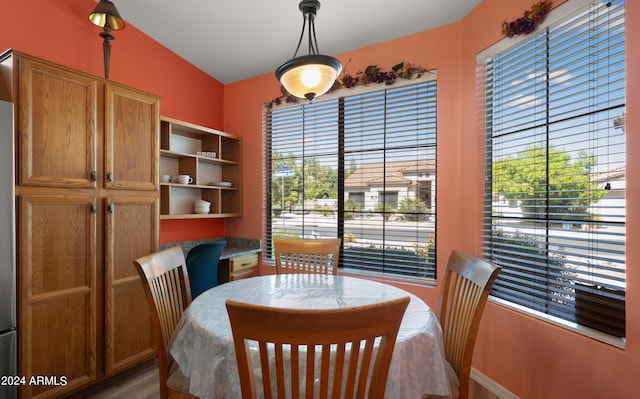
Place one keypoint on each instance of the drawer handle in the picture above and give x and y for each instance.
(246, 264)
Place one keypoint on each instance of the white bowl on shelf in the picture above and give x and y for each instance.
(201, 206)
(201, 209)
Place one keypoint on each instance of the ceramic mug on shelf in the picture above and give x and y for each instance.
(165, 179)
(184, 179)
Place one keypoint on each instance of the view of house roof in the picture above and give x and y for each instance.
(613, 174)
(395, 173)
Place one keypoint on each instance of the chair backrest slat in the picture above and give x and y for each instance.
(325, 339)
(319, 256)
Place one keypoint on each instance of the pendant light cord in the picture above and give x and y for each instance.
(312, 41)
(304, 24)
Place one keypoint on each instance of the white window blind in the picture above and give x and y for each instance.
(361, 168)
(555, 192)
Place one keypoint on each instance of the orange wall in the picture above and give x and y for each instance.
(531, 358)
(60, 31)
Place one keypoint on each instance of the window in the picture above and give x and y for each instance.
(359, 168)
(554, 202)
(388, 198)
(358, 198)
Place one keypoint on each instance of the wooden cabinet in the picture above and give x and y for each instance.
(130, 232)
(131, 139)
(57, 125)
(57, 255)
(211, 158)
(87, 197)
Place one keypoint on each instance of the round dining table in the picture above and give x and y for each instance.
(203, 343)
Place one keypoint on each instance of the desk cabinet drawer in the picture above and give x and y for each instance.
(242, 263)
(245, 273)
(238, 267)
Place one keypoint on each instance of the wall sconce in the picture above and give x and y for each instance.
(312, 75)
(106, 16)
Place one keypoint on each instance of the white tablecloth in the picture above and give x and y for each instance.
(203, 343)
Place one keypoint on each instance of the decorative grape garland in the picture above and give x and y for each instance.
(371, 74)
(529, 21)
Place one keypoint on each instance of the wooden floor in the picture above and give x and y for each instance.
(144, 385)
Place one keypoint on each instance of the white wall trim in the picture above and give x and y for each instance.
(491, 385)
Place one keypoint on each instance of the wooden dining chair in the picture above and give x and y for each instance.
(328, 351)
(465, 289)
(166, 286)
(319, 256)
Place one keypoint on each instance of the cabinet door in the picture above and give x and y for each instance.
(57, 272)
(57, 126)
(131, 232)
(132, 121)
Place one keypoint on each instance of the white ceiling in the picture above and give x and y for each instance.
(233, 40)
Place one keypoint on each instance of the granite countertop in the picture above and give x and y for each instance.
(235, 246)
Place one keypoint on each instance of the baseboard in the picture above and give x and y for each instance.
(491, 385)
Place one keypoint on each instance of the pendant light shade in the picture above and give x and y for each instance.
(309, 76)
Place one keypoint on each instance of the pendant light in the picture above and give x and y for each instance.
(106, 16)
(312, 75)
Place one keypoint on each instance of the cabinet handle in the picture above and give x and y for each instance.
(94, 175)
(110, 207)
(110, 177)
(94, 207)
(246, 264)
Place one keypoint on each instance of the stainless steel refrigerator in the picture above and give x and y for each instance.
(8, 335)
